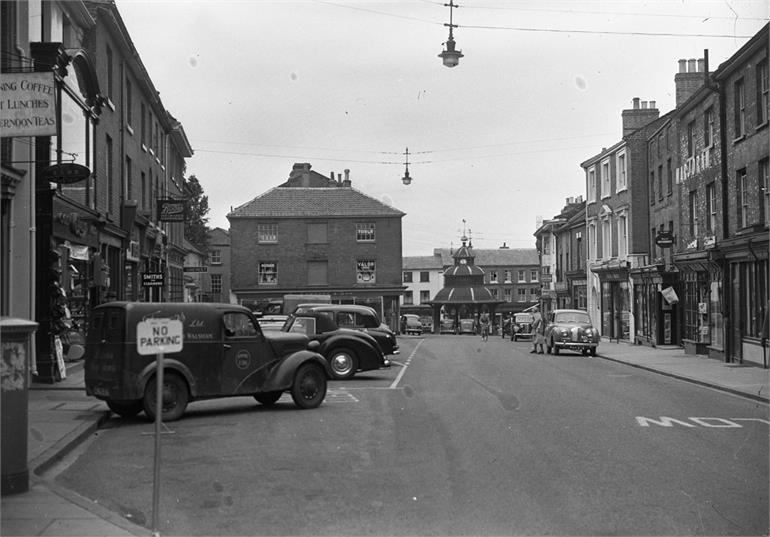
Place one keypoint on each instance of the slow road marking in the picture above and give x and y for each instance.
(716, 423)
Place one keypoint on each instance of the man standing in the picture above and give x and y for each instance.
(538, 329)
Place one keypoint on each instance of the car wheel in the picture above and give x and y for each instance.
(548, 348)
(175, 397)
(584, 352)
(593, 351)
(309, 387)
(342, 363)
(125, 409)
(268, 398)
(555, 348)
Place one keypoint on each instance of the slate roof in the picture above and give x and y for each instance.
(296, 202)
(422, 262)
(499, 257)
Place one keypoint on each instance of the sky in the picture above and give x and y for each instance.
(494, 143)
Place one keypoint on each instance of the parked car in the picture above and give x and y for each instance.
(427, 324)
(522, 326)
(346, 350)
(447, 326)
(357, 317)
(224, 354)
(411, 324)
(570, 330)
(272, 322)
(467, 326)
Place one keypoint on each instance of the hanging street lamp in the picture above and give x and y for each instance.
(406, 179)
(450, 56)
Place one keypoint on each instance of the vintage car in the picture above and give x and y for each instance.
(467, 326)
(411, 324)
(358, 317)
(447, 326)
(345, 349)
(522, 326)
(224, 353)
(272, 321)
(570, 330)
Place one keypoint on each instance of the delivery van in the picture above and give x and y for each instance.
(224, 353)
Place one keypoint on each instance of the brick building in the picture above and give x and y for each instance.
(319, 235)
(568, 272)
(217, 285)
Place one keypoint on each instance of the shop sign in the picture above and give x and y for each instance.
(65, 173)
(195, 269)
(170, 210)
(152, 279)
(546, 278)
(664, 239)
(709, 241)
(27, 104)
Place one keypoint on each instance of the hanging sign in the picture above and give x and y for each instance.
(664, 239)
(27, 104)
(65, 173)
(170, 210)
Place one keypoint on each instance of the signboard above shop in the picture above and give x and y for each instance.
(27, 105)
(171, 210)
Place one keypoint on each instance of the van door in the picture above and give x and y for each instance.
(247, 355)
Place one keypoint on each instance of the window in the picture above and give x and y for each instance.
(660, 181)
(143, 194)
(521, 295)
(652, 187)
(711, 206)
(764, 181)
(592, 246)
(693, 219)
(743, 196)
(365, 232)
(508, 294)
(407, 277)
(691, 139)
(408, 297)
(215, 257)
(317, 233)
(143, 127)
(507, 276)
(108, 174)
(110, 69)
(606, 239)
(622, 236)
(317, 273)
(493, 276)
(268, 272)
(267, 233)
(606, 180)
(532, 276)
(622, 172)
(129, 179)
(129, 106)
(366, 271)
(546, 245)
(708, 127)
(216, 284)
(740, 108)
(591, 185)
(239, 325)
(424, 276)
(424, 296)
(521, 275)
(763, 89)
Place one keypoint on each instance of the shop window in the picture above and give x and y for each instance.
(365, 232)
(366, 271)
(268, 272)
(216, 284)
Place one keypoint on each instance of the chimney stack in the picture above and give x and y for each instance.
(346, 182)
(636, 117)
(689, 79)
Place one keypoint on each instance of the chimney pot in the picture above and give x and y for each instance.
(652, 104)
(644, 105)
(691, 65)
(636, 103)
(701, 64)
(682, 66)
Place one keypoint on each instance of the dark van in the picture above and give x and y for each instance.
(225, 353)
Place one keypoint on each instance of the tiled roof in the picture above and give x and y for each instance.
(422, 262)
(465, 295)
(500, 257)
(288, 202)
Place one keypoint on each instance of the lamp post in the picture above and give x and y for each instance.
(450, 56)
(406, 179)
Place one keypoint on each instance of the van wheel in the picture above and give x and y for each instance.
(309, 387)
(593, 351)
(175, 397)
(268, 398)
(125, 409)
(342, 363)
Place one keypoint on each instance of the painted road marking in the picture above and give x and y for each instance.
(711, 422)
(394, 385)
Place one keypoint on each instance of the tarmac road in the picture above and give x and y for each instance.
(471, 438)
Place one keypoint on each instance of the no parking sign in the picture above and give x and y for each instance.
(159, 336)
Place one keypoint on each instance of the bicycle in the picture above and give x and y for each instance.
(484, 332)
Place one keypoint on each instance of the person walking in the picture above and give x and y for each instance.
(484, 321)
(538, 331)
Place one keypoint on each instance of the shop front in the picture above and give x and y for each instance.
(615, 300)
(655, 306)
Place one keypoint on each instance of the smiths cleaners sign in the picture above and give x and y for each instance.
(155, 336)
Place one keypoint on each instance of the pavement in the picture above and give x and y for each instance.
(61, 417)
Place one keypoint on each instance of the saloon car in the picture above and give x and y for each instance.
(411, 324)
(346, 350)
(570, 330)
(358, 317)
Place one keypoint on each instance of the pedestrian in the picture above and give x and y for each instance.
(538, 330)
(484, 321)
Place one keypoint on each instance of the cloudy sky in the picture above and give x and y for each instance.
(496, 141)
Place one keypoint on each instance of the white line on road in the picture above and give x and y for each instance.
(394, 385)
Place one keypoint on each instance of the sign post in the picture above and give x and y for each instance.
(157, 336)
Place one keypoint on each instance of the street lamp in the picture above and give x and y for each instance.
(406, 179)
(450, 56)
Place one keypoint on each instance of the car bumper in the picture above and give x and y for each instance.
(575, 345)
